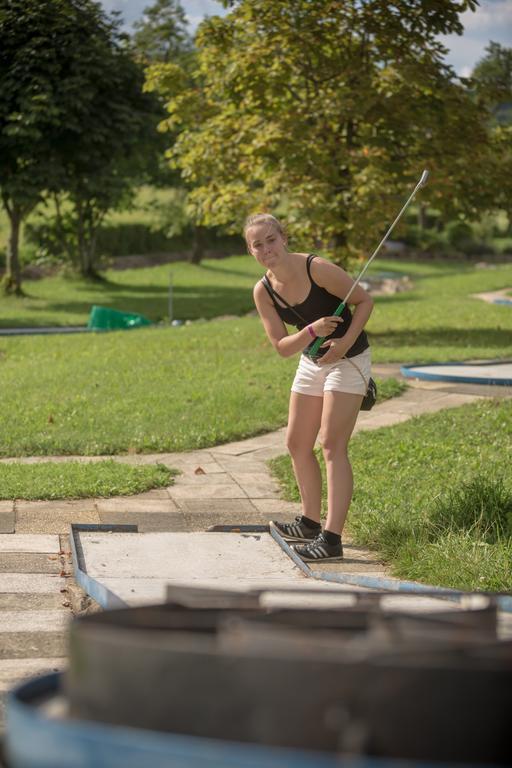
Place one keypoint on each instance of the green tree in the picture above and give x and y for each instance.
(180, 86)
(162, 36)
(323, 111)
(162, 33)
(491, 80)
(73, 116)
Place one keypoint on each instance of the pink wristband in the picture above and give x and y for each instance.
(311, 332)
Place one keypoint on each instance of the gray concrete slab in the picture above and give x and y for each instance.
(146, 521)
(242, 507)
(138, 567)
(200, 514)
(197, 522)
(245, 447)
(281, 591)
(199, 518)
(23, 562)
(28, 601)
(184, 555)
(277, 509)
(7, 517)
(240, 464)
(35, 583)
(157, 494)
(34, 621)
(210, 491)
(29, 543)
(14, 671)
(53, 516)
(257, 485)
(200, 478)
(21, 645)
(134, 504)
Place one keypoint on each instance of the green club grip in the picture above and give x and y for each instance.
(313, 350)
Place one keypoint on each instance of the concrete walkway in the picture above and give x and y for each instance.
(221, 485)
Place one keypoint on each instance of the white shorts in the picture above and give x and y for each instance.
(342, 376)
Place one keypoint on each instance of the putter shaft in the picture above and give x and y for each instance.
(318, 343)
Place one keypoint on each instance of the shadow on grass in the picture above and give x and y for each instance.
(495, 339)
(152, 301)
(223, 271)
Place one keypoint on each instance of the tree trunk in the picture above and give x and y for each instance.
(422, 216)
(87, 230)
(61, 232)
(11, 281)
(339, 249)
(197, 251)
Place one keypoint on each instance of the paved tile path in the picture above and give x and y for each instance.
(226, 484)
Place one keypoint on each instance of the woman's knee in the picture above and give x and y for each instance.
(297, 446)
(334, 447)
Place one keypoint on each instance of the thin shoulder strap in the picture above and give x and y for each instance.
(274, 295)
(310, 258)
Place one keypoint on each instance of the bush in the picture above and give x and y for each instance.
(44, 242)
(126, 239)
(465, 238)
(458, 233)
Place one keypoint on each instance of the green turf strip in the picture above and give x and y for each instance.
(434, 496)
(74, 480)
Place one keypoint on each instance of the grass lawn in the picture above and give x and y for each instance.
(148, 390)
(434, 496)
(436, 321)
(172, 389)
(210, 289)
(75, 480)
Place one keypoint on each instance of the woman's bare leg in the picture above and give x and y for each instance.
(339, 416)
(304, 418)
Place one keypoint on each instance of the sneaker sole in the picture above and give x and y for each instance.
(332, 559)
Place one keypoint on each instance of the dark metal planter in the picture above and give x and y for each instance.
(351, 681)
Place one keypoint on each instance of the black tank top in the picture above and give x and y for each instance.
(318, 303)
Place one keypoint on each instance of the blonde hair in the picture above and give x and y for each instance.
(263, 218)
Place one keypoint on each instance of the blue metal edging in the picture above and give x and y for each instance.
(411, 372)
(506, 302)
(504, 602)
(35, 739)
(95, 589)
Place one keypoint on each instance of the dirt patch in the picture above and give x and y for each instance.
(492, 296)
(387, 286)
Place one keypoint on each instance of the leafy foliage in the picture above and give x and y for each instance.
(492, 81)
(162, 34)
(72, 113)
(323, 112)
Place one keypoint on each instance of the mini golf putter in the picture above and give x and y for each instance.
(313, 351)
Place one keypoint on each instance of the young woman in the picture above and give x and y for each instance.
(304, 290)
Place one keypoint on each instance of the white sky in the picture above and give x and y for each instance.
(491, 21)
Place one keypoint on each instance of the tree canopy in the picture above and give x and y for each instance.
(162, 33)
(73, 115)
(323, 112)
(492, 81)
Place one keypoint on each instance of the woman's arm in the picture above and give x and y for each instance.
(335, 280)
(287, 344)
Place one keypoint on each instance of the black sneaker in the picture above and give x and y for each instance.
(319, 550)
(296, 531)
